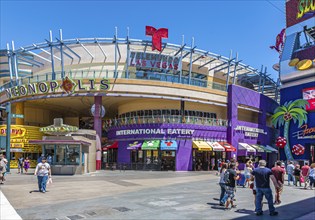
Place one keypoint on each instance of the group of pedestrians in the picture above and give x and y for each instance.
(258, 179)
(305, 175)
(23, 163)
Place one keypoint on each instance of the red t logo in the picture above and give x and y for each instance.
(157, 35)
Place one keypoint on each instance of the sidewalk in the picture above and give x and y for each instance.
(7, 212)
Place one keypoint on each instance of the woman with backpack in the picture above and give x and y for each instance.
(222, 182)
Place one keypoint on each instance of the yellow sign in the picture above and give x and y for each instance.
(16, 131)
(17, 145)
(306, 8)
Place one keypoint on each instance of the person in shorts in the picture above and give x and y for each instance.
(278, 180)
(230, 186)
(305, 172)
(311, 175)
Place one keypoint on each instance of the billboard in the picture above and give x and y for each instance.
(309, 95)
(299, 10)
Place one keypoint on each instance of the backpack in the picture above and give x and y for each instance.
(226, 177)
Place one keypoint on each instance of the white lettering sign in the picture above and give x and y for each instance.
(250, 130)
(178, 131)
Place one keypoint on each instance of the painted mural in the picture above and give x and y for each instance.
(283, 115)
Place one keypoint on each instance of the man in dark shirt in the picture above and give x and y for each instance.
(262, 175)
(230, 186)
(278, 180)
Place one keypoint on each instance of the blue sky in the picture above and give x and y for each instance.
(246, 27)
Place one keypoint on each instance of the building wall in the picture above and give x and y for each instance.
(291, 94)
(238, 95)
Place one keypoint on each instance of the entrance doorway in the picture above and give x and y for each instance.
(168, 160)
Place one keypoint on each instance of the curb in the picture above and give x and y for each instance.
(7, 212)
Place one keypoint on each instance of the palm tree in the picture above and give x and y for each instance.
(284, 114)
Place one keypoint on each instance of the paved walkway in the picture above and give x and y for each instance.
(7, 212)
(143, 195)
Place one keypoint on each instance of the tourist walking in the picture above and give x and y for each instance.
(20, 164)
(230, 177)
(312, 175)
(247, 174)
(262, 175)
(43, 172)
(3, 168)
(212, 163)
(305, 172)
(26, 164)
(222, 183)
(278, 180)
(290, 169)
(297, 174)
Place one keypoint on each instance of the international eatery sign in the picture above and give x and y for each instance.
(67, 85)
(250, 132)
(155, 131)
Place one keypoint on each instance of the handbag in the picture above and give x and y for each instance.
(302, 179)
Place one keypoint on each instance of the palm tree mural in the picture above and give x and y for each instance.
(284, 114)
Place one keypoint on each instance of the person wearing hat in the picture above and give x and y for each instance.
(43, 172)
(262, 175)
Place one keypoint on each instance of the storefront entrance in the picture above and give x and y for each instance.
(168, 159)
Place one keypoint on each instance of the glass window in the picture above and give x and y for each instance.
(60, 154)
(73, 155)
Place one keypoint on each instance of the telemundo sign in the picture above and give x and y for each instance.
(67, 85)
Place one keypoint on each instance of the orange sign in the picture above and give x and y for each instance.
(15, 131)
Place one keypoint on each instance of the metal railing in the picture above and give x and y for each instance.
(166, 119)
(111, 74)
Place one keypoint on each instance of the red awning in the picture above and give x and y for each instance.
(228, 147)
(113, 146)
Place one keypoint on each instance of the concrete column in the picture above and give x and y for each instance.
(19, 109)
(98, 129)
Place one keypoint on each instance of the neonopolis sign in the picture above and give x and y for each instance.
(67, 85)
(157, 35)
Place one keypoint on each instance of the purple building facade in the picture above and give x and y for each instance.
(185, 134)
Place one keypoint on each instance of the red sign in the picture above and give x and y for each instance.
(299, 10)
(157, 35)
(309, 95)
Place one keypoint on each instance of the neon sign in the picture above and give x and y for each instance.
(306, 8)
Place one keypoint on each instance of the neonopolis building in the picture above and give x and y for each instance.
(147, 104)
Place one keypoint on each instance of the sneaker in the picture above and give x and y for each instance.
(273, 213)
(233, 206)
(43, 191)
(221, 204)
(260, 213)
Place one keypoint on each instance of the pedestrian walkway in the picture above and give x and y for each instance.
(7, 212)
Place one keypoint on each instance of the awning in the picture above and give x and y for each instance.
(247, 147)
(113, 146)
(228, 147)
(271, 149)
(216, 146)
(169, 145)
(259, 148)
(134, 146)
(150, 145)
(202, 146)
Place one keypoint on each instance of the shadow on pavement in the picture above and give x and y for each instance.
(290, 211)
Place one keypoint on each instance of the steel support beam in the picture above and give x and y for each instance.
(16, 68)
(210, 61)
(115, 38)
(8, 135)
(24, 59)
(86, 50)
(53, 76)
(217, 66)
(260, 73)
(64, 45)
(228, 72)
(234, 75)
(264, 80)
(190, 64)
(61, 53)
(128, 51)
(180, 49)
(10, 63)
